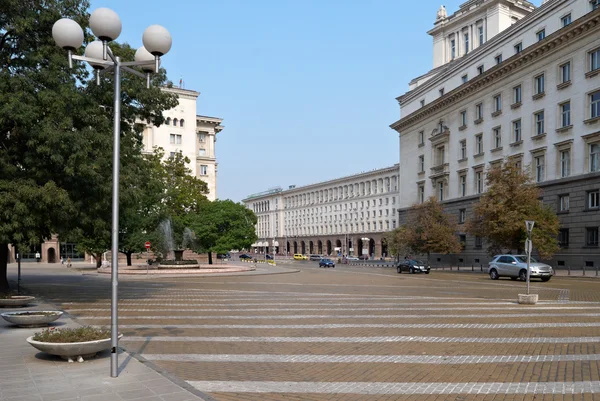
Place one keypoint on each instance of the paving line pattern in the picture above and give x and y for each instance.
(397, 388)
(370, 339)
(422, 359)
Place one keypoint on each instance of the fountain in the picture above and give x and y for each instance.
(167, 247)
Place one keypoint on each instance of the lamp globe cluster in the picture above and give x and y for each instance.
(106, 26)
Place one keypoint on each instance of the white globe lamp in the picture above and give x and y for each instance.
(67, 34)
(157, 40)
(105, 24)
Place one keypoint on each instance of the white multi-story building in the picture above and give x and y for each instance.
(192, 135)
(348, 215)
(510, 82)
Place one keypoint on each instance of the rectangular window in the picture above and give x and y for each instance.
(465, 78)
(594, 59)
(539, 82)
(421, 164)
(497, 135)
(480, 70)
(518, 48)
(442, 92)
(565, 114)
(594, 157)
(202, 152)
(462, 215)
(541, 34)
(172, 138)
(479, 110)
(497, 103)
(478, 144)
(593, 199)
(540, 168)
(478, 242)
(517, 130)
(498, 58)
(565, 72)
(539, 122)
(421, 193)
(463, 185)
(563, 203)
(480, 32)
(595, 4)
(466, 36)
(595, 105)
(201, 137)
(517, 94)
(453, 49)
(421, 137)
(422, 102)
(440, 190)
(563, 237)
(463, 149)
(203, 170)
(479, 182)
(440, 153)
(591, 236)
(463, 118)
(565, 163)
(566, 20)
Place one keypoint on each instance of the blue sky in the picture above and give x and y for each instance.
(306, 88)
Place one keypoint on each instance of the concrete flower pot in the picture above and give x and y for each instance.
(72, 351)
(30, 318)
(530, 299)
(16, 300)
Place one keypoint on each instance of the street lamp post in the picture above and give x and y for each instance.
(106, 26)
(529, 247)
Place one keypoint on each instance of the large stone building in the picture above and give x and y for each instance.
(184, 131)
(348, 215)
(192, 135)
(510, 82)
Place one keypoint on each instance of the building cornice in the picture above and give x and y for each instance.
(559, 39)
(183, 93)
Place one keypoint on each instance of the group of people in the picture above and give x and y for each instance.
(62, 261)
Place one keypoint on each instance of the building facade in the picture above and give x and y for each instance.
(345, 216)
(527, 93)
(192, 135)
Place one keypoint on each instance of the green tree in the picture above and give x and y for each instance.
(428, 230)
(56, 131)
(511, 198)
(221, 226)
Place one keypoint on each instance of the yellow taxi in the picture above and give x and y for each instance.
(299, 256)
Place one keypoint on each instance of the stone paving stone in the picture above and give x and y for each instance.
(134, 394)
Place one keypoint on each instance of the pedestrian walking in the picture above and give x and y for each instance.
(38, 257)
(62, 260)
(68, 262)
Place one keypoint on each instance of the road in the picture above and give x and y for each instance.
(350, 333)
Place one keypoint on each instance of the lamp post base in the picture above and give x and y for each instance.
(528, 299)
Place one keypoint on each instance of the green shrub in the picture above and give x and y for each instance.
(80, 334)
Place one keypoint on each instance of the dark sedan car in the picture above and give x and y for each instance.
(244, 256)
(413, 266)
(326, 262)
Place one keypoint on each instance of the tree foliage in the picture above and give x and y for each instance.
(428, 230)
(511, 198)
(221, 226)
(56, 131)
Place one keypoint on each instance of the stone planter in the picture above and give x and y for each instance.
(16, 300)
(30, 319)
(530, 299)
(72, 351)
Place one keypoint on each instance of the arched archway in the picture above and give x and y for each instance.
(51, 255)
(287, 248)
(295, 247)
(384, 248)
(320, 247)
(303, 245)
(311, 247)
(350, 250)
(371, 247)
(328, 247)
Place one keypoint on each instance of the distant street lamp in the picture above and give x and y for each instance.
(106, 25)
(528, 248)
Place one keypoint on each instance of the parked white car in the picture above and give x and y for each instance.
(515, 267)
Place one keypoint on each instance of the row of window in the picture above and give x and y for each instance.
(342, 229)
(591, 237)
(593, 64)
(345, 206)
(346, 216)
(175, 122)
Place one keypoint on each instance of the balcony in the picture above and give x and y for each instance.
(440, 170)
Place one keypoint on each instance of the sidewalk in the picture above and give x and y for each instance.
(28, 374)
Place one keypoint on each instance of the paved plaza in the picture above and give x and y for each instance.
(349, 333)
